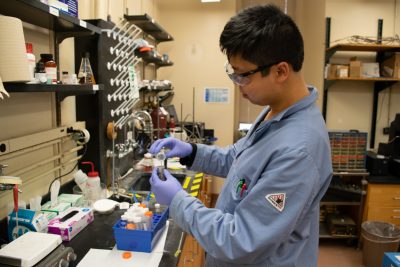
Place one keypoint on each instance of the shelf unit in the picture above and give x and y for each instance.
(380, 84)
(64, 26)
(62, 90)
(151, 28)
(37, 13)
(352, 200)
(156, 60)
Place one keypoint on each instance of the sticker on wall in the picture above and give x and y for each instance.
(216, 95)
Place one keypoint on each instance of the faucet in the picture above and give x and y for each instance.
(149, 125)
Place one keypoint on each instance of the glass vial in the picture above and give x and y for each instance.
(85, 74)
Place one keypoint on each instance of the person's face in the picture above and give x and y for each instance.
(259, 89)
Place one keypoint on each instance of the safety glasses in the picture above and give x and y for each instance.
(243, 78)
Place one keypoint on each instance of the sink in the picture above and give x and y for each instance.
(142, 183)
(139, 183)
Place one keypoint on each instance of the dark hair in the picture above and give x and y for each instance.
(263, 35)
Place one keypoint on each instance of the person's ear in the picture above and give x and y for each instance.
(282, 71)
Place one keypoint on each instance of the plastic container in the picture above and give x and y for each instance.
(31, 61)
(378, 238)
(140, 240)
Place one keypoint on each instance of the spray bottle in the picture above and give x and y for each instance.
(93, 183)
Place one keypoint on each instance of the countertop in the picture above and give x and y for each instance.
(387, 179)
(99, 235)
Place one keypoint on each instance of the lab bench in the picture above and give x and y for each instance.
(99, 235)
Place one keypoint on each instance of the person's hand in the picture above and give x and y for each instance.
(177, 147)
(164, 191)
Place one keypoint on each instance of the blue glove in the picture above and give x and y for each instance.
(177, 147)
(164, 191)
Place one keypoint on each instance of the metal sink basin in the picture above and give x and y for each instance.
(142, 183)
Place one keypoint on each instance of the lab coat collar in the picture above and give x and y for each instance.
(303, 103)
(260, 126)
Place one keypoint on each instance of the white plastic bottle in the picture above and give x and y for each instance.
(93, 183)
(31, 61)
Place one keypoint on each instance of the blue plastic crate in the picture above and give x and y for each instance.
(140, 240)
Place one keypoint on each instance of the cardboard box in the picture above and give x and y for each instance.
(331, 72)
(60, 207)
(75, 200)
(391, 259)
(69, 223)
(336, 71)
(391, 66)
(355, 69)
(370, 70)
(342, 71)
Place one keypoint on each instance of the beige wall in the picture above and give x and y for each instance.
(350, 103)
(198, 62)
(310, 18)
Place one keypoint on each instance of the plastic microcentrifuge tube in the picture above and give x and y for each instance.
(148, 219)
(157, 207)
(138, 222)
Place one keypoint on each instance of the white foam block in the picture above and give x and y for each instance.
(29, 248)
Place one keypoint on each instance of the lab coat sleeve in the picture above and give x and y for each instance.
(215, 160)
(256, 229)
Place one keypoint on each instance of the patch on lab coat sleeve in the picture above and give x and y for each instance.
(277, 200)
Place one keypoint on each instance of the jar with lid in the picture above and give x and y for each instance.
(50, 67)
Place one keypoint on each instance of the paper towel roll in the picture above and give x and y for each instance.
(13, 61)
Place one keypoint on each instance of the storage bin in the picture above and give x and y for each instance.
(140, 240)
(348, 150)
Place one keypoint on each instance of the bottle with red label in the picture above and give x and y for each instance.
(31, 61)
(50, 67)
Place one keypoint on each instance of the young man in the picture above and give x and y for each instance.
(267, 213)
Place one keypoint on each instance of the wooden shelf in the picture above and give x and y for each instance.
(324, 233)
(363, 47)
(380, 79)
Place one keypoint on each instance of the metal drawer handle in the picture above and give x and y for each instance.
(396, 210)
(395, 217)
(396, 198)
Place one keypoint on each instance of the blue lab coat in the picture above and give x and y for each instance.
(285, 163)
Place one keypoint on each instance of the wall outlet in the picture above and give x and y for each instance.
(386, 130)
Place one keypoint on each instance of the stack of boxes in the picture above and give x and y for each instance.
(357, 69)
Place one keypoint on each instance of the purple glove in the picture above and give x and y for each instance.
(177, 147)
(164, 191)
